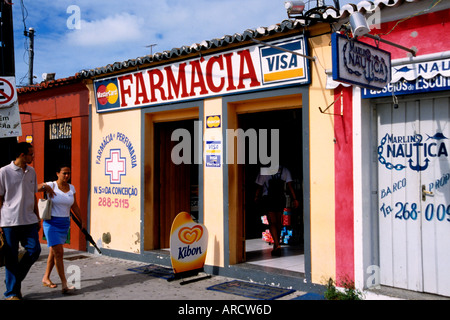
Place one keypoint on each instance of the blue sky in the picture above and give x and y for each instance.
(118, 30)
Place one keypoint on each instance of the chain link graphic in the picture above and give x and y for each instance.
(383, 161)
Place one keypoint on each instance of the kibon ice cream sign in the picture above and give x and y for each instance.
(247, 69)
(188, 244)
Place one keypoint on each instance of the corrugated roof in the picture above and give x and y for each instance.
(285, 26)
(49, 84)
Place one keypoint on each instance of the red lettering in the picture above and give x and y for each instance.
(197, 70)
(141, 91)
(210, 75)
(231, 85)
(175, 85)
(124, 91)
(246, 59)
(158, 85)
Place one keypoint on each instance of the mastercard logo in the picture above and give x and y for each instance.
(213, 122)
(190, 235)
(107, 94)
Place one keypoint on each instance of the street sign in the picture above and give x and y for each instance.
(8, 94)
(10, 125)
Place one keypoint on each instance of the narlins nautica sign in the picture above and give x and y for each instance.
(360, 64)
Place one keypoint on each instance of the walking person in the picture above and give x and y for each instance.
(271, 188)
(56, 229)
(19, 218)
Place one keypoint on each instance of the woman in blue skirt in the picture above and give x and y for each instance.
(56, 229)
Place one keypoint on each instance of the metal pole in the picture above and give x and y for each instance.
(377, 38)
(285, 50)
(31, 56)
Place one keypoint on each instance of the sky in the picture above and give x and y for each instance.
(73, 35)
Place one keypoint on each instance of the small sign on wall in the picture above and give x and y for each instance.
(213, 122)
(213, 153)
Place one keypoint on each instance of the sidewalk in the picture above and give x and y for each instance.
(106, 278)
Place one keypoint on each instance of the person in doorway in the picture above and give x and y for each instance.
(271, 191)
(19, 218)
(56, 229)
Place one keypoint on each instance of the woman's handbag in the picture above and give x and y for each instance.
(45, 208)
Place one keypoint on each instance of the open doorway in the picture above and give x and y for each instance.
(57, 151)
(257, 237)
(176, 184)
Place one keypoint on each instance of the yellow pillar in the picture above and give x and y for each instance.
(323, 263)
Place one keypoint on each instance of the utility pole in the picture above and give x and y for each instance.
(30, 34)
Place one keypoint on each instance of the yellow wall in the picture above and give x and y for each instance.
(323, 263)
(213, 190)
(116, 224)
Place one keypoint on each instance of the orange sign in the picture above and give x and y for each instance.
(188, 243)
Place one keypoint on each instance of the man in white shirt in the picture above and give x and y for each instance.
(19, 218)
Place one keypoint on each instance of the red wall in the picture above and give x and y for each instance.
(343, 153)
(66, 101)
(428, 33)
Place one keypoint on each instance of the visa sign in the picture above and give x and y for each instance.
(280, 66)
(251, 68)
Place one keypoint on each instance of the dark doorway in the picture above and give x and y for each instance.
(57, 150)
(176, 184)
(289, 123)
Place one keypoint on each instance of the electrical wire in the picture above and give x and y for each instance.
(24, 15)
(25, 45)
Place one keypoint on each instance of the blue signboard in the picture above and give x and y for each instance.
(360, 64)
(415, 78)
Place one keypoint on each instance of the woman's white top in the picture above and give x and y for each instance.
(61, 201)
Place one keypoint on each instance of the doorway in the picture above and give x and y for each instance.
(57, 151)
(257, 236)
(414, 193)
(176, 180)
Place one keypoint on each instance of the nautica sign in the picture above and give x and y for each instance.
(358, 63)
(413, 151)
(420, 77)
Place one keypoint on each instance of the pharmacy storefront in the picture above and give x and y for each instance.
(413, 165)
(190, 129)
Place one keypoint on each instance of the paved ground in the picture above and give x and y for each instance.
(105, 278)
